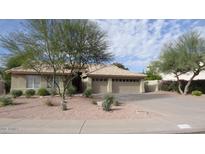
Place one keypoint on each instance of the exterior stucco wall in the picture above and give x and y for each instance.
(43, 82)
(152, 85)
(109, 85)
(142, 86)
(18, 82)
(106, 86)
(86, 83)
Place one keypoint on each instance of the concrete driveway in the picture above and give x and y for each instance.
(178, 114)
(173, 107)
(168, 104)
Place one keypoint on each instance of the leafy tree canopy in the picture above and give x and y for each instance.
(152, 72)
(186, 54)
(59, 45)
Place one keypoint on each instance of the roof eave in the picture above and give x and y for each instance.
(124, 76)
(34, 73)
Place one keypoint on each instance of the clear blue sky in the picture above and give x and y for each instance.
(133, 42)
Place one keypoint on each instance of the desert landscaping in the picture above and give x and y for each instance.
(79, 108)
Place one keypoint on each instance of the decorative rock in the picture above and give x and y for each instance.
(99, 103)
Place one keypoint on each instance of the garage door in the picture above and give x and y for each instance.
(125, 86)
(99, 85)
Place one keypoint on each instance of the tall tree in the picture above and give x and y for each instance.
(65, 46)
(186, 54)
(10, 60)
(152, 71)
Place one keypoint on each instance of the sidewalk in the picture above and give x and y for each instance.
(19, 126)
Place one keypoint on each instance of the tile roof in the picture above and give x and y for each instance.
(112, 70)
(91, 70)
(21, 70)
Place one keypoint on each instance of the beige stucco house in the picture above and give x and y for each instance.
(100, 78)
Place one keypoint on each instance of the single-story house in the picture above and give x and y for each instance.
(100, 78)
(186, 77)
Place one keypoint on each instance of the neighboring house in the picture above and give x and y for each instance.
(101, 78)
(187, 76)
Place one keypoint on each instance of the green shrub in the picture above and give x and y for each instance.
(30, 92)
(116, 103)
(16, 93)
(87, 92)
(71, 90)
(5, 101)
(196, 93)
(43, 92)
(170, 86)
(173, 86)
(108, 101)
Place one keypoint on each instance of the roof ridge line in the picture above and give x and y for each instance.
(128, 70)
(97, 69)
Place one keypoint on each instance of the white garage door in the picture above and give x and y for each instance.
(99, 85)
(125, 86)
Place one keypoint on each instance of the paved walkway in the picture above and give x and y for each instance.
(100, 126)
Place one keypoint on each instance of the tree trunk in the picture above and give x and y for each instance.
(63, 102)
(186, 89)
(179, 84)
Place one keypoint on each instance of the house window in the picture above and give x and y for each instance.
(33, 81)
(50, 82)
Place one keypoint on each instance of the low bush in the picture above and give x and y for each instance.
(49, 102)
(87, 92)
(71, 90)
(196, 93)
(116, 103)
(16, 93)
(30, 92)
(94, 102)
(173, 85)
(169, 86)
(108, 101)
(43, 92)
(4, 101)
